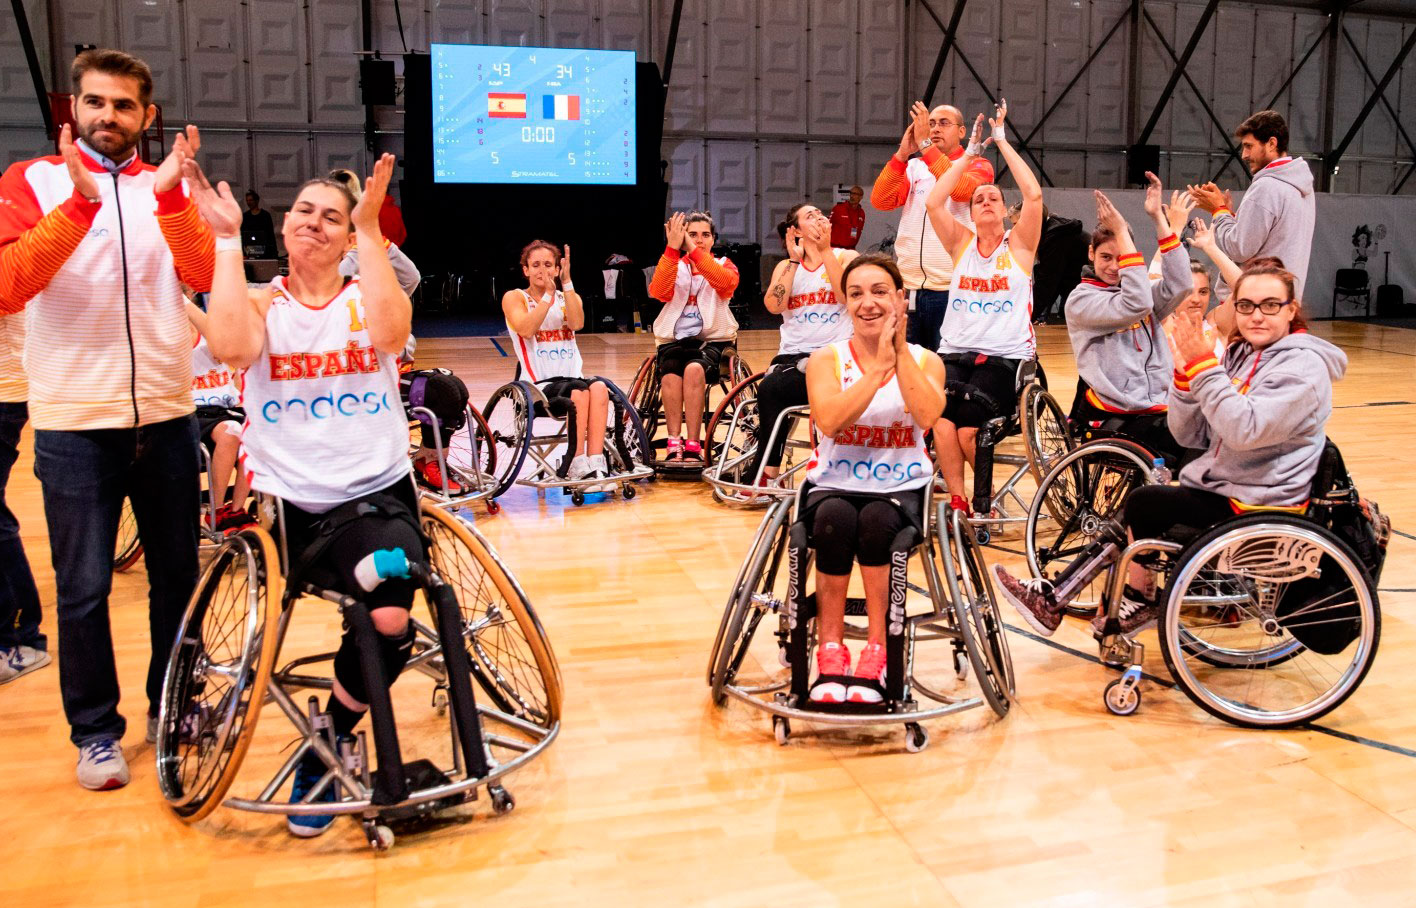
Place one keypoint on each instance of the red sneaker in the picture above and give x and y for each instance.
(958, 503)
(871, 667)
(231, 520)
(429, 476)
(831, 659)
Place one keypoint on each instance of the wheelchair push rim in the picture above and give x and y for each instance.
(508, 418)
(1271, 555)
(203, 734)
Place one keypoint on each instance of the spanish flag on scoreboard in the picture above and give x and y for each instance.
(506, 104)
(560, 107)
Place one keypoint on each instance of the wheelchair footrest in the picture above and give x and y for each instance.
(849, 707)
(422, 775)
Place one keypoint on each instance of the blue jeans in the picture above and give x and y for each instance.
(85, 476)
(19, 600)
(927, 318)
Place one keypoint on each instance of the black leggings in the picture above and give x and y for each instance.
(847, 528)
(1171, 512)
(333, 569)
(779, 390)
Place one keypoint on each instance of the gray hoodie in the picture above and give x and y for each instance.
(1121, 350)
(1261, 446)
(1275, 217)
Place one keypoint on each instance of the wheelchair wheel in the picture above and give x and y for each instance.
(976, 610)
(1297, 646)
(1085, 489)
(736, 373)
(734, 444)
(128, 548)
(508, 650)
(466, 464)
(217, 674)
(1044, 429)
(761, 591)
(629, 445)
(644, 395)
(508, 419)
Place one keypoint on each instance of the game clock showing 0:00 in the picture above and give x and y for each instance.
(532, 115)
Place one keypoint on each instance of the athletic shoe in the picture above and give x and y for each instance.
(692, 452)
(1033, 599)
(101, 766)
(430, 477)
(21, 660)
(598, 470)
(307, 775)
(232, 520)
(151, 736)
(579, 468)
(673, 448)
(831, 659)
(870, 667)
(1137, 613)
(958, 503)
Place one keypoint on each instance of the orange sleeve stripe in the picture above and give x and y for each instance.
(1130, 259)
(29, 263)
(890, 189)
(661, 286)
(1169, 243)
(723, 279)
(1218, 212)
(938, 162)
(1197, 366)
(192, 243)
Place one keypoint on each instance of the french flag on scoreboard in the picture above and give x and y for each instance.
(560, 107)
(506, 104)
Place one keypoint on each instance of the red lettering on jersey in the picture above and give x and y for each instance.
(332, 364)
(895, 435)
(995, 284)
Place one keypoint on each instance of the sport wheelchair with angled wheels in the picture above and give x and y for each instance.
(1268, 620)
(733, 466)
(771, 671)
(491, 668)
(646, 396)
(443, 422)
(524, 424)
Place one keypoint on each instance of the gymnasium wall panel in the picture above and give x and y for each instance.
(335, 36)
(831, 73)
(730, 57)
(18, 102)
(783, 43)
(278, 75)
(782, 177)
(457, 21)
(216, 62)
(828, 164)
(881, 107)
(731, 170)
(685, 175)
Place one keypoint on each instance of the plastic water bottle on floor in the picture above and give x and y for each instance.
(1160, 473)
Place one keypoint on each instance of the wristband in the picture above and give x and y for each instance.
(567, 287)
(925, 144)
(1000, 133)
(228, 244)
(974, 150)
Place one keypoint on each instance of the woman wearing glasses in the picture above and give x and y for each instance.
(1260, 416)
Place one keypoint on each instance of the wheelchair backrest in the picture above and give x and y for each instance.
(1336, 504)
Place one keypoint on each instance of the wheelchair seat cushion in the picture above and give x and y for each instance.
(995, 378)
(557, 392)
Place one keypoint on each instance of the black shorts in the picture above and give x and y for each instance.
(561, 387)
(676, 356)
(1149, 429)
(1177, 513)
(851, 526)
(996, 378)
(208, 418)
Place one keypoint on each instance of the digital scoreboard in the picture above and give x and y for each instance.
(532, 115)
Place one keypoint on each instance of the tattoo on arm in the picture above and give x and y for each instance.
(779, 292)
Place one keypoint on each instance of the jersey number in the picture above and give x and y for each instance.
(356, 321)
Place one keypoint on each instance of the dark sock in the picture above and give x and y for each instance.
(342, 717)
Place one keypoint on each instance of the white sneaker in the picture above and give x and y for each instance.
(21, 660)
(101, 766)
(579, 467)
(599, 470)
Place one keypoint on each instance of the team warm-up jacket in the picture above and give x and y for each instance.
(709, 281)
(1260, 416)
(923, 261)
(1116, 331)
(109, 345)
(1276, 217)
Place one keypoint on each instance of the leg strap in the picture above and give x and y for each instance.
(800, 610)
(895, 620)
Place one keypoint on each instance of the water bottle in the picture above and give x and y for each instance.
(1160, 473)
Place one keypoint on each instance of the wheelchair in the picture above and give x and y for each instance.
(1269, 620)
(222, 672)
(512, 415)
(469, 459)
(128, 547)
(732, 447)
(771, 671)
(1038, 422)
(647, 400)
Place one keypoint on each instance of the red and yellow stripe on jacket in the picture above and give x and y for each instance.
(108, 342)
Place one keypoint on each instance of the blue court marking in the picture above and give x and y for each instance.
(497, 345)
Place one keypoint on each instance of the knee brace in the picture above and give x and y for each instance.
(392, 652)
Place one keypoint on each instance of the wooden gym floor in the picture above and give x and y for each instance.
(652, 796)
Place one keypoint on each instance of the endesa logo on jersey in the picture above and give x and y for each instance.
(325, 406)
(813, 317)
(869, 470)
(555, 353)
(986, 307)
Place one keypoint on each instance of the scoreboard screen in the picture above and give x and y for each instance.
(532, 115)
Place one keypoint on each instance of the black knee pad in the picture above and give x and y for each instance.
(393, 654)
(834, 536)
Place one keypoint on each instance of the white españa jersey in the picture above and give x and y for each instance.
(884, 450)
(324, 423)
(990, 305)
(213, 384)
(814, 317)
(551, 352)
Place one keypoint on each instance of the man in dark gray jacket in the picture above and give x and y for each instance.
(1278, 211)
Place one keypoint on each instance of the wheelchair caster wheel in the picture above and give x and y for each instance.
(961, 665)
(502, 801)
(1121, 699)
(440, 701)
(493, 507)
(982, 537)
(781, 729)
(916, 738)
(577, 498)
(380, 836)
(628, 492)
